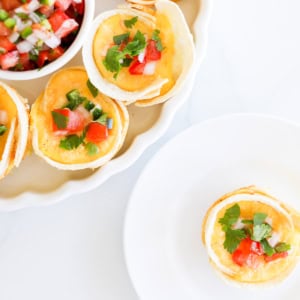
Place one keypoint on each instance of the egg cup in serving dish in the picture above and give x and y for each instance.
(49, 185)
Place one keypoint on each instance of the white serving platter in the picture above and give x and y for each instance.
(35, 183)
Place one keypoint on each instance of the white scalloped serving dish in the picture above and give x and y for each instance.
(35, 183)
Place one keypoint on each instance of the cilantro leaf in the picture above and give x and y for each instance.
(97, 112)
(121, 38)
(92, 148)
(247, 222)
(156, 38)
(60, 120)
(94, 91)
(260, 232)
(112, 59)
(282, 247)
(267, 247)
(259, 218)
(88, 105)
(231, 216)
(131, 22)
(72, 141)
(3, 129)
(137, 45)
(74, 98)
(126, 62)
(233, 239)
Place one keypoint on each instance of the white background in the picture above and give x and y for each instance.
(73, 250)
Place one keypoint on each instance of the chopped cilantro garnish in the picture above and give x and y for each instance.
(88, 105)
(97, 112)
(261, 232)
(233, 239)
(247, 222)
(60, 120)
(131, 22)
(70, 142)
(91, 148)
(156, 38)
(115, 58)
(74, 98)
(102, 119)
(267, 247)
(3, 129)
(94, 91)
(282, 247)
(231, 216)
(121, 38)
(126, 62)
(259, 218)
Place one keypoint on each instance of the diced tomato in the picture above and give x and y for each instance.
(152, 54)
(75, 121)
(66, 28)
(96, 132)
(4, 30)
(42, 58)
(79, 7)
(25, 62)
(6, 44)
(57, 19)
(136, 67)
(55, 53)
(46, 10)
(276, 256)
(11, 4)
(62, 4)
(9, 60)
(248, 253)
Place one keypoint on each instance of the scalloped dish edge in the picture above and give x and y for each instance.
(140, 143)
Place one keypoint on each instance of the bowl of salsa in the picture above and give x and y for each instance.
(37, 37)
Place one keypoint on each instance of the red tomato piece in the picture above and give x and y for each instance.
(42, 58)
(66, 28)
(152, 54)
(248, 253)
(75, 122)
(9, 60)
(11, 4)
(276, 256)
(46, 10)
(62, 4)
(6, 44)
(4, 30)
(55, 53)
(57, 19)
(137, 68)
(25, 62)
(79, 7)
(96, 132)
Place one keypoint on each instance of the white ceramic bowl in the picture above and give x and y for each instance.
(62, 60)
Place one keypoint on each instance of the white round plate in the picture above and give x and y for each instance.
(162, 233)
(47, 185)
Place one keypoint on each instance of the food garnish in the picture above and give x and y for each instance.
(249, 245)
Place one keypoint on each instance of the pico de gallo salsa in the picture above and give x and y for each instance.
(34, 33)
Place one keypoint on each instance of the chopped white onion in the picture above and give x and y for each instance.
(24, 46)
(14, 37)
(28, 7)
(77, 1)
(150, 68)
(269, 221)
(3, 117)
(66, 25)
(41, 34)
(141, 56)
(84, 113)
(32, 39)
(239, 224)
(53, 41)
(34, 17)
(274, 239)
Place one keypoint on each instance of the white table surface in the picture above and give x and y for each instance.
(73, 250)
